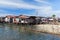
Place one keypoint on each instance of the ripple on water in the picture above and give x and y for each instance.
(14, 32)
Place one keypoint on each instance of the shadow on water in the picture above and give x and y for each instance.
(22, 32)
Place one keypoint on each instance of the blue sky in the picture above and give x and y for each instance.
(30, 7)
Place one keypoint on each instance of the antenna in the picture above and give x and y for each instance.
(37, 12)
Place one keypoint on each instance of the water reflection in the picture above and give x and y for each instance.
(18, 32)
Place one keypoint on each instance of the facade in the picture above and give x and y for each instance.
(23, 19)
(2, 19)
(9, 19)
(43, 20)
(38, 20)
(32, 20)
(15, 19)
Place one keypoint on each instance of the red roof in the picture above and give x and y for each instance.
(23, 16)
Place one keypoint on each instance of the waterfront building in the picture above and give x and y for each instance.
(2, 19)
(16, 19)
(27, 19)
(32, 20)
(23, 19)
(9, 19)
(58, 19)
(38, 20)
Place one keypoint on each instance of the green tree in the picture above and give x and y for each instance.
(53, 15)
(54, 18)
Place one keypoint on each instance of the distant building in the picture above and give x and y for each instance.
(27, 19)
(23, 18)
(9, 19)
(16, 19)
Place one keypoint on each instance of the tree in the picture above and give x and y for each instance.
(53, 15)
(54, 18)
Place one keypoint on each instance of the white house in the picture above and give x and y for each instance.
(7, 19)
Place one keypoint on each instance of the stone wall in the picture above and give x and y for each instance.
(55, 29)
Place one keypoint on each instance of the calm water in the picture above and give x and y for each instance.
(14, 32)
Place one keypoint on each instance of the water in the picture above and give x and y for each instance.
(14, 32)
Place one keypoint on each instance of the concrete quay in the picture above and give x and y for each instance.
(48, 28)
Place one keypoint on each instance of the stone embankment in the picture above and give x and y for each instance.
(48, 28)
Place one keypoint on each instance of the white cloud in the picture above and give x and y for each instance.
(5, 14)
(21, 4)
(42, 1)
(56, 12)
(18, 5)
(46, 10)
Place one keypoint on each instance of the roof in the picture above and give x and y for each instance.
(23, 16)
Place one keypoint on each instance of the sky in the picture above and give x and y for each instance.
(30, 7)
